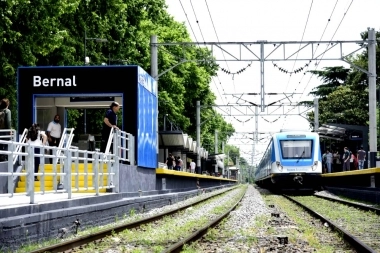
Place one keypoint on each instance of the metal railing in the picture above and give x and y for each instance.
(66, 170)
(123, 145)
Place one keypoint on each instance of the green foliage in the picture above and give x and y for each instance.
(343, 94)
(332, 78)
(345, 106)
(51, 33)
(233, 153)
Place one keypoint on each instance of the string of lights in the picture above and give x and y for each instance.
(294, 71)
(237, 72)
(242, 121)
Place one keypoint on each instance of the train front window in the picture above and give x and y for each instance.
(296, 149)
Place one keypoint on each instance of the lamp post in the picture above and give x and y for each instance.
(99, 40)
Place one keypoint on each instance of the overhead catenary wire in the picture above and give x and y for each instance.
(188, 21)
(323, 33)
(216, 34)
(303, 35)
(196, 19)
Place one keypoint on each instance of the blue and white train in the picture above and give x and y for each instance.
(292, 159)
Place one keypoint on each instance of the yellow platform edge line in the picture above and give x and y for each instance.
(353, 172)
(162, 171)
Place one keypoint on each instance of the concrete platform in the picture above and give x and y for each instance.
(355, 178)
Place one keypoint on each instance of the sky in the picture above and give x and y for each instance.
(273, 21)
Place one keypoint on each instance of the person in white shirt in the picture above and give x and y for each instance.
(54, 132)
(36, 138)
(192, 166)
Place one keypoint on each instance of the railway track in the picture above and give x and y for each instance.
(363, 243)
(80, 241)
(350, 203)
(177, 247)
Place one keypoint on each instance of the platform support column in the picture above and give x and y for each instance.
(154, 74)
(223, 158)
(216, 150)
(372, 96)
(198, 119)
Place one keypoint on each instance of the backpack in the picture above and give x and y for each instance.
(3, 119)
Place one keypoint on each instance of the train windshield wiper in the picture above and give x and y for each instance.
(303, 152)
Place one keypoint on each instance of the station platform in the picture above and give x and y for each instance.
(355, 178)
(172, 179)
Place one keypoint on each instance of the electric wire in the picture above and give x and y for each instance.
(188, 21)
(303, 34)
(327, 24)
(196, 19)
(216, 34)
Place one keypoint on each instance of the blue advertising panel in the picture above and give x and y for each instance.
(147, 121)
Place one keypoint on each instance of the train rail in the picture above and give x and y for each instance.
(177, 247)
(350, 203)
(356, 241)
(86, 239)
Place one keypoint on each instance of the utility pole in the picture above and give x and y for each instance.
(198, 116)
(316, 114)
(216, 150)
(262, 92)
(256, 125)
(154, 74)
(372, 96)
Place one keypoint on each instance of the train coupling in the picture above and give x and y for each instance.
(298, 179)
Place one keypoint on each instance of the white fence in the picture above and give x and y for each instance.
(66, 161)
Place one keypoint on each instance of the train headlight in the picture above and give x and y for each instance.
(315, 166)
(279, 166)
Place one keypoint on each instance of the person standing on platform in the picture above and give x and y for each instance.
(54, 132)
(346, 159)
(170, 161)
(329, 160)
(361, 158)
(109, 122)
(192, 166)
(36, 138)
(5, 123)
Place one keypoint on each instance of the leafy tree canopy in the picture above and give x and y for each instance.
(51, 33)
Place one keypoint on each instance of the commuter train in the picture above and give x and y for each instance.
(292, 160)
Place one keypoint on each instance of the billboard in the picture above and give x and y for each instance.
(147, 136)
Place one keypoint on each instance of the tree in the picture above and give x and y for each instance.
(46, 33)
(343, 95)
(345, 105)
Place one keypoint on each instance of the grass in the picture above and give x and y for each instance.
(132, 216)
(358, 222)
(304, 227)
